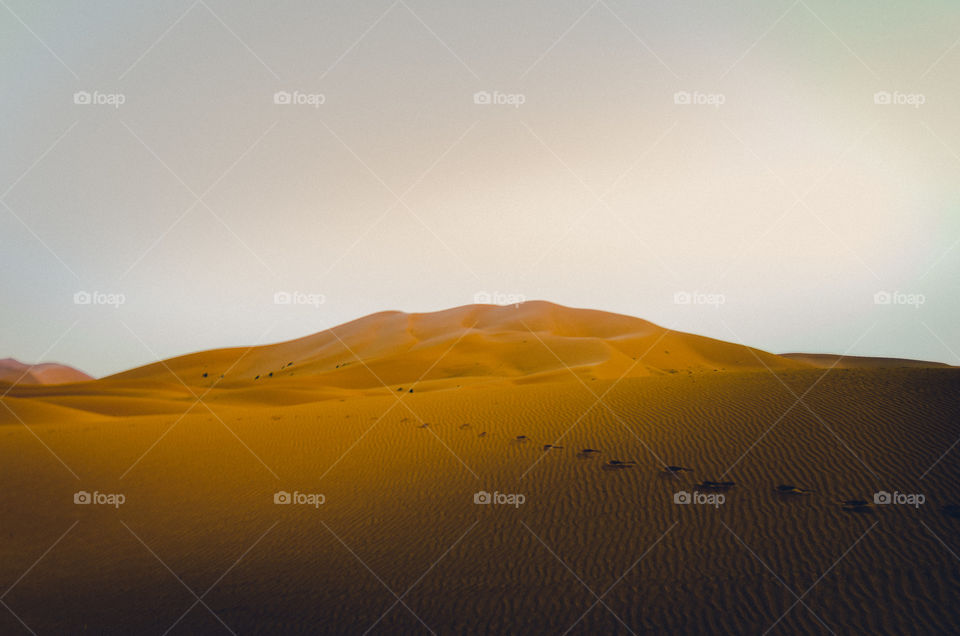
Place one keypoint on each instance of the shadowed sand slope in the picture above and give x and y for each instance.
(399, 473)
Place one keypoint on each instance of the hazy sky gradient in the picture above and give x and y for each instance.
(796, 200)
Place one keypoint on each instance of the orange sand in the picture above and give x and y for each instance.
(399, 471)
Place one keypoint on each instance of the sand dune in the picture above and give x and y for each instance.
(480, 342)
(536, 341)
(15, 372)
(400, 470)
(827, 360)
(460, 348)
(463, 347)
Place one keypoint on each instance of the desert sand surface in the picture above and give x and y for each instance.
(505, 400)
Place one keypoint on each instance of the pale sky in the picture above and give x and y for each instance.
(779, 201)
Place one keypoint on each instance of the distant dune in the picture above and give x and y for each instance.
(12, 371)
(827, 360)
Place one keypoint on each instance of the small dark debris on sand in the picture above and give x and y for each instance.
(856, 505)
(788, 489)
(715, 485)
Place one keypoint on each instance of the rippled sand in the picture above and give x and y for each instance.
(399, 518)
